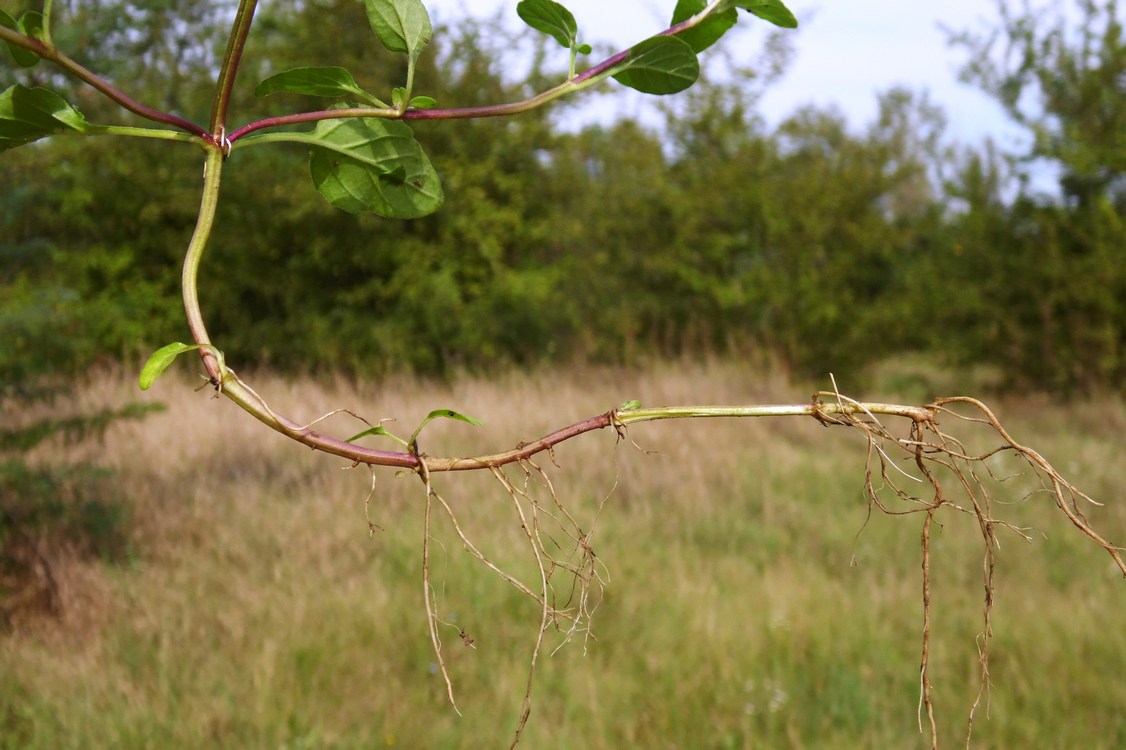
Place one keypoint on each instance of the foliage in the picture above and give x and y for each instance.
(816, 244)
(1061, 279)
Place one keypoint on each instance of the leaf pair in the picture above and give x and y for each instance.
(663, 64)
(370, 164)
(412, 443)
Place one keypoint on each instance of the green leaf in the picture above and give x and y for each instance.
(369, 164)
(551, 18)
(444, 414)
(629, 405)
(319, 81)
(27, 115)
(769, 10)
(659, 65)
(401, 25)
(25, 58)
(377, 430)
(33, 24)
(423, 102)
(584, 49)
(398, 97)
(159, 362)
(707, 32)
(166, 355)
(451, 414)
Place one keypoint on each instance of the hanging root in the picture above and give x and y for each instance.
(428, 588)
(557, 543)
(924, 472)
(930, 449)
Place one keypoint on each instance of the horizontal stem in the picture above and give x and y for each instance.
(584, 80)
(459, 113)
(628, 416)
(246, 398)
(154, 133)
(917, 413)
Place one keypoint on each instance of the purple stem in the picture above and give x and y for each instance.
(102, 85)
(456, 113)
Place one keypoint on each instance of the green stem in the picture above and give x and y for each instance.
(212, 174)
(225, 380)
(227, 74)
(47, 23)
(628, 416)
(296, 137)
(155, 133)
(409, 88)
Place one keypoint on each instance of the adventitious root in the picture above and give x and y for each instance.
(938, 455)
(559, 547)
(924, 471)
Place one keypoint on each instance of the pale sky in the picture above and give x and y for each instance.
(846, 51)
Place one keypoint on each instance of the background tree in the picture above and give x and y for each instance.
(1059, 265)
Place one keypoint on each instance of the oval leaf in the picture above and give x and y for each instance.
(401, 25)
(27, 115)
(369, 164)
(317, 81)
(770, 10)
(159, 362)
(707, 32)
(551, 18)
(659, 65)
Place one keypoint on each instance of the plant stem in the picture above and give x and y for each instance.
(461, 113)
(227, 74)
(212, 174)
(917, 413)
(47, 5)
(156, 133)
(574, 84)
(224, 380)
(52, 54)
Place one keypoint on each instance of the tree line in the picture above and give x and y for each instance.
(819, 245)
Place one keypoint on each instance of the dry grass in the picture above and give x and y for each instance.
(747, 604)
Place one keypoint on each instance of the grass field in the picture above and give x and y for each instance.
(747, 603)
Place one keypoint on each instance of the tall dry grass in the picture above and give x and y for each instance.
(749, 602)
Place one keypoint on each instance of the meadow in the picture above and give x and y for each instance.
(748, 600)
